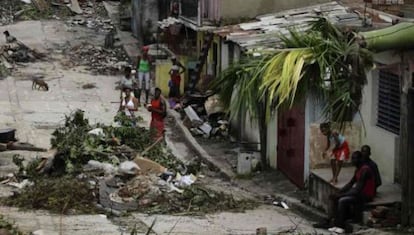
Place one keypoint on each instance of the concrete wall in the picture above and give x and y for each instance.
(384, 144)
(251, 8)
(144, 11)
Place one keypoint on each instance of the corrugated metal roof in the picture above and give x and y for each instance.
(265, 31)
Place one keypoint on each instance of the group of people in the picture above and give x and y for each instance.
(131, 88)
(362, 188)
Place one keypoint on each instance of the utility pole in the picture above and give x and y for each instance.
(407, 146)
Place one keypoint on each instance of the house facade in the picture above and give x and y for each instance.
(381, 109)
(294, 142)
(189, 33)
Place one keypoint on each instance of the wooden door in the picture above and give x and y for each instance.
(291, 144)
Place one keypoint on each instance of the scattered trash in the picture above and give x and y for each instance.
(21, 185)
(89, 86)
(213, 123)
(281, 204)
(108, 168)
(129, 168)
(184, 181)
(97, 132)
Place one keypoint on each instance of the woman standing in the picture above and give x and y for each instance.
(158, 110)
(144, 69)
(175, 74)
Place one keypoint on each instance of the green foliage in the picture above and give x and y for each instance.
(238, 87)
(76, 147)
(73, 143)
(28, 171)
(198, 199)
(323, 60)
(11, 228)
(58, 195)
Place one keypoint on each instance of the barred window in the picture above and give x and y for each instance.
(388, 110)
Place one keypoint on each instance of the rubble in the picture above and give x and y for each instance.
(8, 11)
(215, 126)
(90, 14)
(96, 59)
(89, 166)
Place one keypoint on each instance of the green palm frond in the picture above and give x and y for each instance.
(311, 59)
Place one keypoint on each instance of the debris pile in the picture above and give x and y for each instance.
(10, 10)
(382, 217)
(96, 59)
(91, 14)
(118, 168)
(15, 51)
(204, 116)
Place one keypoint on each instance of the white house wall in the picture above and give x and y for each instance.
(384, 144)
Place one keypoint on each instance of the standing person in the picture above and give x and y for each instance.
(126, 81)
(175, 73)
(158, 111)
(359, 190)
(337, 148)
(129, 104)
(366, 153)
(144, 70)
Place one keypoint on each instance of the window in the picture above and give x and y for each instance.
(388, 112)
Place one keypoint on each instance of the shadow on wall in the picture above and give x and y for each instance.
(352, 133)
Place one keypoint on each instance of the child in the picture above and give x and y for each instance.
(339, 149)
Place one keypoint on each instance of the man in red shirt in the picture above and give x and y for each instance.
(360, 190)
